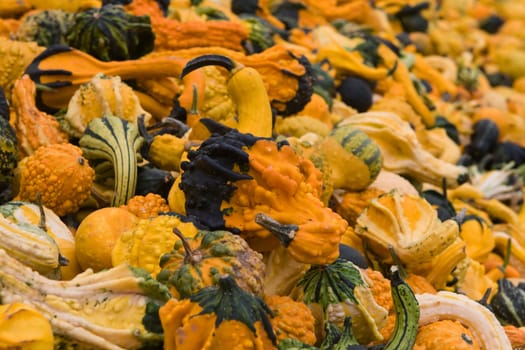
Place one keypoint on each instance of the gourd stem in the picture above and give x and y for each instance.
(207, 60)
(192, 256)
(193, 108)
(42, 223)
(285, 233)
(402, 272)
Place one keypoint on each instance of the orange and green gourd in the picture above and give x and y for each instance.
(218, 317)
(199, 261)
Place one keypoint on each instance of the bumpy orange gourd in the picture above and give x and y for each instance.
(292, 319)
(59, 175)
(262, 190)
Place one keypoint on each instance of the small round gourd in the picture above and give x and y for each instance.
(109, 33)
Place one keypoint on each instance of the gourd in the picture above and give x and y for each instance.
(409, 224)
(8, 151)
(249, 187)
(30, 244)
(110, 33)
(446, 333)
(407, 312)
(144, 244)
(164, 142)
(287, 74)
(34, 215)
(401, 151)
(337, 290)
(507, 303)
(482, 322)
(17, 56)
(248, 92)
(103, 95)
(112, 146)
(33, 128)
(58, 175)
(354, 159)
(114, 309)
(200, 261)
(172, 34)
(14, 333)
(45, 27)
(291, 319)
(147, 206)
(216, 317)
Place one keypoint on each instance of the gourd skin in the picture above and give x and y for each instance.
(291, 319)
(218, 317)
(16, 57)
(24, 328)
(110, 33)
(112, 145)
(144, 244)
(207, 256)
(45, 27)
(239, 171)
(147, 206)
(103, 95)
(59, 175)
(33, 127)
(113, 304)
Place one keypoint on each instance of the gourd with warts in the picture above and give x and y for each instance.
(200, 261)
(242, 173)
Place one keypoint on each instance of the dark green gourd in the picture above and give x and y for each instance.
(109, 33)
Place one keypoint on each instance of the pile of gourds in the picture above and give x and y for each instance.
(262, 174)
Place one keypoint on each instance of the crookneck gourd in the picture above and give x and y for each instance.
(218, 317)
(199, 261)
(112, 146)
(248, 93)
(262, 190)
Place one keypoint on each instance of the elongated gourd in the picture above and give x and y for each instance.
(247, 90)
(112, 145)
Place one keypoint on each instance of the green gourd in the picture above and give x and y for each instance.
(109, 33)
